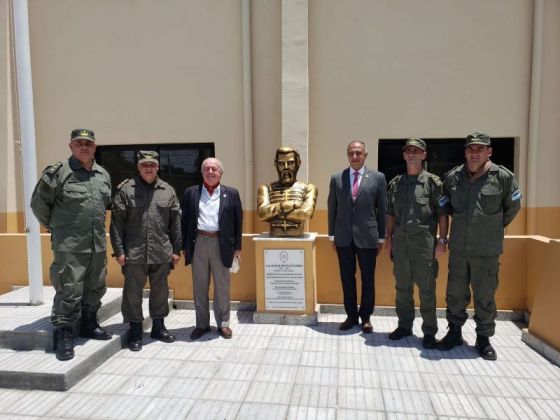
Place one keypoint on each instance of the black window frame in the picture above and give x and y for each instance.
(129, 160)
(443, 155)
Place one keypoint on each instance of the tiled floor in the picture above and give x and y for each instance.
(298, 372)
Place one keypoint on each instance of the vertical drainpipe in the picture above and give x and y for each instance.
(534, 117)
(247, 110)
(27, 139)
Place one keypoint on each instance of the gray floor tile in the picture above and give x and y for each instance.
(223, 390)
(167, 408)
(255, 411)
(370, 399)
(311, 413)
(214, 410)
(306, 395)
(350, 414)
(276, 373)
(268, 392)
(190, 388)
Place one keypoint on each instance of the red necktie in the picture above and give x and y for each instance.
(355, 185)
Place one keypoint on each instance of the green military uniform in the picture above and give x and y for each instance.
(414, 202)
(146, 228)
(480, 210)
(70, 202)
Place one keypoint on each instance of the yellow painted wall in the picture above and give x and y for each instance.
(544, 255)
(512, 294)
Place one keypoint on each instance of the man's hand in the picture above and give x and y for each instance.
(388, 244)
(237, 254)
(121, 260)
(176, 258)
(441, 248)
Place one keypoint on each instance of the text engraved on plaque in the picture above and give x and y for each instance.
(284, 278)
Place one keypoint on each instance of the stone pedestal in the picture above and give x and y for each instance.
(286, 280)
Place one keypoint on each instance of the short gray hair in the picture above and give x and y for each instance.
(217, 161)
(357, 141)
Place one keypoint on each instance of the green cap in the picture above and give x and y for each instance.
(82, 134)
(478, 138)
(147, 156)
(421, 144)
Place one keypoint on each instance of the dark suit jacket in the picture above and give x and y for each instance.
(363, 220)
(230, 222)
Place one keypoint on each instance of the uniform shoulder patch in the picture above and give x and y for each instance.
(52, 169)
(122, 184)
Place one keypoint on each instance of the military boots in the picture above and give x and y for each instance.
(160, 332)
(64, 343)
(452, 339)
(90, 328)
(135, 336)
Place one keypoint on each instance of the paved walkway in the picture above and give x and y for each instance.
(298, 372)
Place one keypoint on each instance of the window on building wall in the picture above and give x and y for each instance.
(179, 164)
(443, 155)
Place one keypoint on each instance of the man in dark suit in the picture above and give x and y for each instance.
(212, 222)
(357, 204)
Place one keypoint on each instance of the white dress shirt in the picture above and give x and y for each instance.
(209, 210)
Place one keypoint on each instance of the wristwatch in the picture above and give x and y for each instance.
(443, 241)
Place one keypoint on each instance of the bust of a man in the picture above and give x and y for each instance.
(287, 203)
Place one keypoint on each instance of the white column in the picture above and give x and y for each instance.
(295, 80)
(27, 136)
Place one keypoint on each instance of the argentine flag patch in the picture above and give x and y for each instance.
(443, 201)
(516, 195)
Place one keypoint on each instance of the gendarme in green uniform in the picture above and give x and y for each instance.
(480, 211)
(146, 228)
(414, 202)
(70, 201)
(146, 239)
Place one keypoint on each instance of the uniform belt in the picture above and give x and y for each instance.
(208, 234)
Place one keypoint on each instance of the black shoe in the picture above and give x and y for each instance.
(64, 343)
(199, 332)
(399, 333)
(89, 327)
(160, 332)
(452, 339)
(348, 324)
(429, 341)
(485, 349)
(135, 336)
(367, 328)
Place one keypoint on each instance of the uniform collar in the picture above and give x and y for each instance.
(76, 165)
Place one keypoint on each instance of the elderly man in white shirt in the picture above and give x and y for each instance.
(212, 222)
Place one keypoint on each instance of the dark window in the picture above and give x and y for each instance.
(443, 155)
(179, 164)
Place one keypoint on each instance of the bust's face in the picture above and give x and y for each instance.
(287, 168)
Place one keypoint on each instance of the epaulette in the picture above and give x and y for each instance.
(455, 169)
(52, 169)
(502, 167)
(126, 181)
(395, 180)
(437, 180)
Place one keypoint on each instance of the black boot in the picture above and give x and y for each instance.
(64, 343)
(135, 336)
(160, 332)
(90, 328)
(485, 349)
(452, 339)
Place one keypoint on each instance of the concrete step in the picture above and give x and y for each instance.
(26, 327)
(37, 369)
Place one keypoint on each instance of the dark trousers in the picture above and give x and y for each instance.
(480, 273)
(135, 276)
(347, 263)
(79, 282)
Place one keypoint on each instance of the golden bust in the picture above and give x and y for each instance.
(287, 203)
